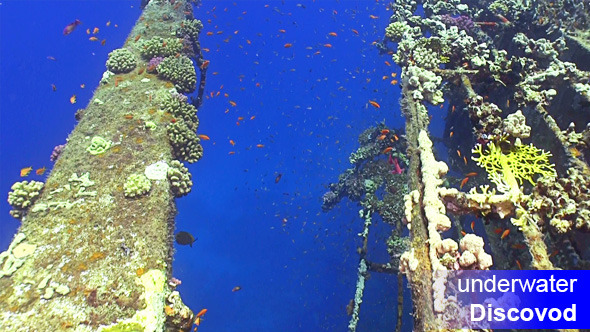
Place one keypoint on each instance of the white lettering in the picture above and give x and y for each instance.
(541, 314)
(482, 311)
(551, 316)
(572, 311)
(510, 316)
(529, 313)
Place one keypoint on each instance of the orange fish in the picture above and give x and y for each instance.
(40, 171)
(88, 31)
(233, 103)
(209, 33)
(287, 45)
(205, 64)
(204, 137)
(451, 134)
(240, 118)
(137, 37)
(201, 313)
(394, 75)
(382, 137)
(498, 230)
(93, 38)
(388, 149)
(53, 87)
(109, 23)
(463, 233)
(328, 45)
(252, 117)
(197, 322)
(103, 42)
(393, 82)
(354, 31)
(373, 17)
(387, 63)
(518, 264)
(231, 152)
(473, 226)
(26, 171)
(282, 30)
(395, 136)
(471, 174)
(465, 160)
(237, 288)
(463, 182)
(333, 34)
(278, 177)
(374, 104)
(505, 234)
(95, 31)
(231, 141)
(73, 99)
(459, 153)
(384, 131)
(259, 145)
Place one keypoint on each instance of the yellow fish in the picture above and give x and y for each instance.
(26, 171)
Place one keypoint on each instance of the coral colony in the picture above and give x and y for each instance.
(516, 109)
(110, 196)
(512, 98)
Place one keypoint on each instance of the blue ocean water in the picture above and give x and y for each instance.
(296, 266)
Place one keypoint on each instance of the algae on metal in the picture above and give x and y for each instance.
(86, 257)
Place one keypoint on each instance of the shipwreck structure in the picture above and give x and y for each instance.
(514, 80)
(95, 247)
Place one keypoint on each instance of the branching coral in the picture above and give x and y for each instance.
(510, 167)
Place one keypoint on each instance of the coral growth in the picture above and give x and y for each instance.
(121, 60)
(22, 196)
(179, 71)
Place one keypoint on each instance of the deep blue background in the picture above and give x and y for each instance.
(296, 275)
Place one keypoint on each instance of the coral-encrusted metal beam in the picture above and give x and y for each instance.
(94, 251)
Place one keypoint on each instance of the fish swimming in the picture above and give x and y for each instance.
(70, 27)
(185, 238)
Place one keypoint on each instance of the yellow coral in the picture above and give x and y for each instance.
(507, 169)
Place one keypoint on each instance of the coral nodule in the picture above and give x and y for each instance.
(121, 61)
(136, 185)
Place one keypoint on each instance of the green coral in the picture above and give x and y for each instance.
(121, 61)
(158, 46)
(179, 71)
(176, 105)
(136, 185)
(185, 142)
(22, 196)
(396, 30)
(180, 179)
(510, 167)
(190, 28)
(98, 145)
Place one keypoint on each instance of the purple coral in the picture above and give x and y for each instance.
(462, 22)
(56, 152)
(154, 62)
